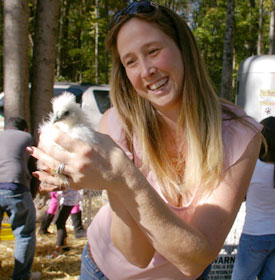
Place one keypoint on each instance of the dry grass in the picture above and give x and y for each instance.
(65, 266)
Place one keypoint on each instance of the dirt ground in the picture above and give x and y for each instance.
(65, 266)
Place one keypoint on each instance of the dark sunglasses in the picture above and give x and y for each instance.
(136, 7)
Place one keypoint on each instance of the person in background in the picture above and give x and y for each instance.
(15, 195)
(66, 201)
(175, 159)
(49, 214)
(256, 250)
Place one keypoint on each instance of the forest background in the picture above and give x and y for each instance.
(43, 41)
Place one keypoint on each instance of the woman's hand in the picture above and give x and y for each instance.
(43, 187)
(85, 166)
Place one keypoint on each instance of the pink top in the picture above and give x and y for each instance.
(236, 137)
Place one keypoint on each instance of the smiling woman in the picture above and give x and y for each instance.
(153, 65)
(175, 160)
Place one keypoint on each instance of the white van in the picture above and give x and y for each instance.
(94, 99)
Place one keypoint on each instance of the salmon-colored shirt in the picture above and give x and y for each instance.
(236, 137)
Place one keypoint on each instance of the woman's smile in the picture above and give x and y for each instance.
(159, 84)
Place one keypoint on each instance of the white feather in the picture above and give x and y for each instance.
(70, 118)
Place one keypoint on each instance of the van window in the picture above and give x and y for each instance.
(102, 100)
(74, 90)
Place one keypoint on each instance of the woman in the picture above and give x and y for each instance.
(256, 251)
(173, 200)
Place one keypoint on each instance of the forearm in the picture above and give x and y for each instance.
(127, 236)
(180, 244)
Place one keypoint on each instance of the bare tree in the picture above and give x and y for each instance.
(106, 11)
(260, 30)
(272, 30)
(16, 67)
(226, 84)
(44, 56)
(96, 39)
(59, 39)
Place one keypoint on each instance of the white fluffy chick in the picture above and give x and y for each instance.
(70, 118)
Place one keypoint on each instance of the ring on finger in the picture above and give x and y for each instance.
(60, 169)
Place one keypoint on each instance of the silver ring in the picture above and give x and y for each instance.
(60, 168)
(43, 183)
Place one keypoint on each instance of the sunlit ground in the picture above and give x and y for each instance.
(65, 266)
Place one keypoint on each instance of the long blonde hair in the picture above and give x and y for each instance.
(200, 115)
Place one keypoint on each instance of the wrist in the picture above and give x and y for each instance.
(127, 177)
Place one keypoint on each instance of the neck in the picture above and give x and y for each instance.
(173, 139)
(170, 116)
(169, 122)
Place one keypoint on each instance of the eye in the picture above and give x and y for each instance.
(129, 62)
(153, 51)
(66, 113)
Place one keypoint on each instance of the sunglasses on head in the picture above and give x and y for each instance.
(135, 8)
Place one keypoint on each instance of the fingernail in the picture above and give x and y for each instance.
(36, 175)
(29, 149)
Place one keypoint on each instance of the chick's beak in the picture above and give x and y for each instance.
(57, 118)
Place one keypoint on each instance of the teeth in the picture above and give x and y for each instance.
(158, 84)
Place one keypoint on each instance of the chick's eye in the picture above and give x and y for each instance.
(67, 113)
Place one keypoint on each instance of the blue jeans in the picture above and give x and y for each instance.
(21, 211)
(89, 269)
(255, 257)
(204, 275)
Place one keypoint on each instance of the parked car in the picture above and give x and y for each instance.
(59, 87)
(1, 99)
(75, 88)
(93, 98)
(95, 101)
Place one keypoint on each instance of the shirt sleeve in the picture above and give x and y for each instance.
(237, 134)
(117, 132)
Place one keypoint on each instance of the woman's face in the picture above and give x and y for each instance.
(153, 64)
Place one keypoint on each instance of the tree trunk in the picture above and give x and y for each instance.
(44, 56)
(1, 44)
(272, 30)
(226, 84)
(60, 32)
(260, 30)
(96, 40)
(106, 10)
(64, 59)
(16, 66)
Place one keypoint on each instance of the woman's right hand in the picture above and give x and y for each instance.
(96, 166)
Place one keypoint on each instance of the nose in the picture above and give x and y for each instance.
(148, 70)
